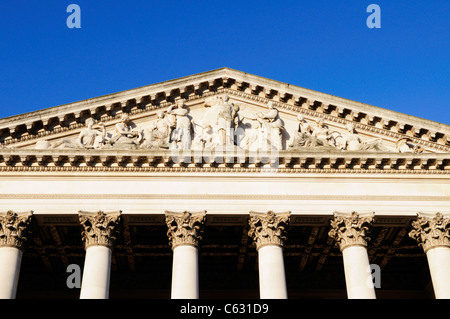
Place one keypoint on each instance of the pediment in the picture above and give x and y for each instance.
(307, 120)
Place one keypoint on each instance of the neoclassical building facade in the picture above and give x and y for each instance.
(223, 185)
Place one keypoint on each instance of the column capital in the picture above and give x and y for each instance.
(431, 231)
(185, 228)
(351, 229)
(268, 228)
(14, 229)
(99, 228)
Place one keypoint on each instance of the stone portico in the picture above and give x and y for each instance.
(281, 191)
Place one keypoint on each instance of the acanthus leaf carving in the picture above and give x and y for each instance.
(185, 228)
(268, 228)
(350, 230)
(14, 228)
(99, 228)
(430, 232)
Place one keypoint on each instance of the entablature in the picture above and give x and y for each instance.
(237, 161)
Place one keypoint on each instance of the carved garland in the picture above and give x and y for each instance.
(99, 228)
(350, 230)
(14, 229)
(185, 228)
(268, 228)
(430, 232)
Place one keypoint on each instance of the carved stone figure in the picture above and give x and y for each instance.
(405, 145)
(271, 126)
(181, 136)
(224, 121)
(90, 138)
(353, 142)
(43, 145)
(203, 137)
(253, 137)
(309, 136)
(126, 137)
(323, 134)
(159, 135)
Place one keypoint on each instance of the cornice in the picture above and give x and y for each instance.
(69, 118)
(129, 161)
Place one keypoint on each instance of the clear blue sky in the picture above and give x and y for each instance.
(320, 45)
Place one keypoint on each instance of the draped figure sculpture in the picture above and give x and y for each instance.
(271, 126)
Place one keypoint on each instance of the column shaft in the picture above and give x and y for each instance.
(14, 229)
(268, 231)
(439, 264)
(432, 234)
(272, 278)
(99, 230)
(10, 260)
(185, 273)
(358, 277)
(351, 232)
(184, 233)
(96, 273)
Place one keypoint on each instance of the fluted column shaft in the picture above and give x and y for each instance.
(432, 233)
(98, 236)
(268, 233)
(14, 228)
(351, 234)
(184, 233)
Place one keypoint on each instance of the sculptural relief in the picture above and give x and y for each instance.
(126, 136)
(91, 138)
(224, 120)
(271, 126)
(88, 138)
(353, 142)
(158, 136)
(204, 138)
(405, 145)
(181, 136)
(223, 124)
(316, 136)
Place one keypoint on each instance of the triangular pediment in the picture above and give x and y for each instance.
(307, 120)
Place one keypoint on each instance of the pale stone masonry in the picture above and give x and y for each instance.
(215, 145)
(268, 231)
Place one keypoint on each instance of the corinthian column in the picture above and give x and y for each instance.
(13, 231)
(98, 235)
(432, 233)
(351, 234)
(268, 233)
(184, 232)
